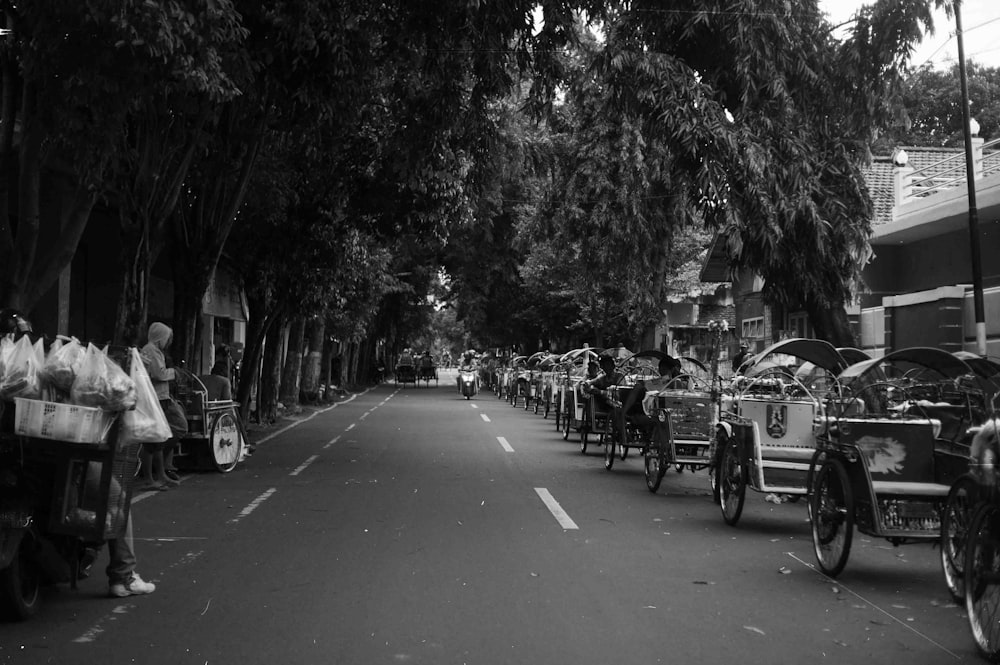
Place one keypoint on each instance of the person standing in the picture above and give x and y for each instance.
(157, 458)
(741, 357)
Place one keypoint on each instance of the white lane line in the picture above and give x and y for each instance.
(309, 417)
(364, 415)
(331, 442)
(556, 510)
(302, 467)
(253, 505)
(485, 417)
(841, 585)
(474, 406)
(506, 446)
(350, 427)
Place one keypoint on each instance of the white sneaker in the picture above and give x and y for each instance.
(135, 586)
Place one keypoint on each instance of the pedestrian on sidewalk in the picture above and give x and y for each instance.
(157, 458)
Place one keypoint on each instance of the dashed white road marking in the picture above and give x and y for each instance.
(556, 510)
(506, 446)
(474, 405)
(302, 467)
(252, 506)
(485, 417)
(350, 427)
(331, 442)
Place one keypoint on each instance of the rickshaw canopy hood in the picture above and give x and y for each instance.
(942, 362)
(816, 351)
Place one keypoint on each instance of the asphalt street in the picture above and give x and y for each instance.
(409, 525)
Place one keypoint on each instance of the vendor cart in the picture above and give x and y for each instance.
(68, 481)
(216, 437)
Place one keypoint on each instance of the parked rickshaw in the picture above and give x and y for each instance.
(548, 370)
(517, 379)
(533, 381)
(766, 438)
(970, 488)
(216, 437)
(684, 412)
(630, 427)
(889, 449)
(572, 413)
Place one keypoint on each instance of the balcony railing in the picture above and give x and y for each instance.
(950, 172)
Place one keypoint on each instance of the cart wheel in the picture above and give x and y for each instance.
(732, 483)
(982, 580)
(955, 520)
(609, 450)
(584, 433)
(226, 442)
(535, 408)
(655, 468)
(548, 407)
(833, 517)
(20, 583)
(558, 418)
(565, 428)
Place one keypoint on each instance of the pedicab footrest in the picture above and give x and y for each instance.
(913, 516)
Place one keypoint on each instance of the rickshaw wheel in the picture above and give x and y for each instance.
(654, 466)
(982, 580)
(225, 450)
(732, 483)
(609, 450)
(833, 517)
(20, 584)
(584, 433)
(534, 409)
(565, 428)
(955, 519)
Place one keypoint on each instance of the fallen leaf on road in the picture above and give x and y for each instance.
(784, 571)
(754, 629)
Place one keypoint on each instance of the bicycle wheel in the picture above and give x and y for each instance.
(833, 517)
(982, 580)
(732, 483)
(955, 519)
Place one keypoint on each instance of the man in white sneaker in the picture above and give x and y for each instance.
(122, 578)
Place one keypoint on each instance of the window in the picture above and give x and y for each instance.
(798, 325)
(753, 328)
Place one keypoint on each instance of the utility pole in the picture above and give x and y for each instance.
(977, 269)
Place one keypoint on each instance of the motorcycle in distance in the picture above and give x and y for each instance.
(467, 382)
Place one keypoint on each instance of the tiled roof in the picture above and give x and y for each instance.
(880, 176)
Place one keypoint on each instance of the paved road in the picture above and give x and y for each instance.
(411, 526)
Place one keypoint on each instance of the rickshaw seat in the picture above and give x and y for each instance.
(787, 453)
(885, 487)
(953, 418)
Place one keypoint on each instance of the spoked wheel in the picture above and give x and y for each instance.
(584, 432)
(655, 466)
(982, 580)
(565, 427)
(609, 450)
(226, 440)
(955, 521)
(558, 418)
(536, 409)
(20, 584)
(732, 483)
(833, 517)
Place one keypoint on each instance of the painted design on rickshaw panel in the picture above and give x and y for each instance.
(884, 455)
(777, 419)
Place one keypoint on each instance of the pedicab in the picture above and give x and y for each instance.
(572, 413)
(683, 411)
(517, 379)
(890, 447)
(533, 381)
(766, 438)
(427, 371)
(405, 373)
(629, 425)
(971, 488)
(599, 397)
(216, 437)
(548, 368)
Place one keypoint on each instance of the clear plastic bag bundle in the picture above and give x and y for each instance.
(101, 383)
(146, 423)
(62, 364)
(20, 372)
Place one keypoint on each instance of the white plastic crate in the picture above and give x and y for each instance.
(61, 422)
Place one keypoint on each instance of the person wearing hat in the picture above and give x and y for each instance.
(740, 358)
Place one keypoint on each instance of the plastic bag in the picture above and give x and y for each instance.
(146, 423)
(62, 364)
(101, 383)
(20, 378)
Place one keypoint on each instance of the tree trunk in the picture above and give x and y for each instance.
(134, 265)
(187, 319)
(831, 323)
(312, 362)
(270, 379)
(291, 371)
(257, 329)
